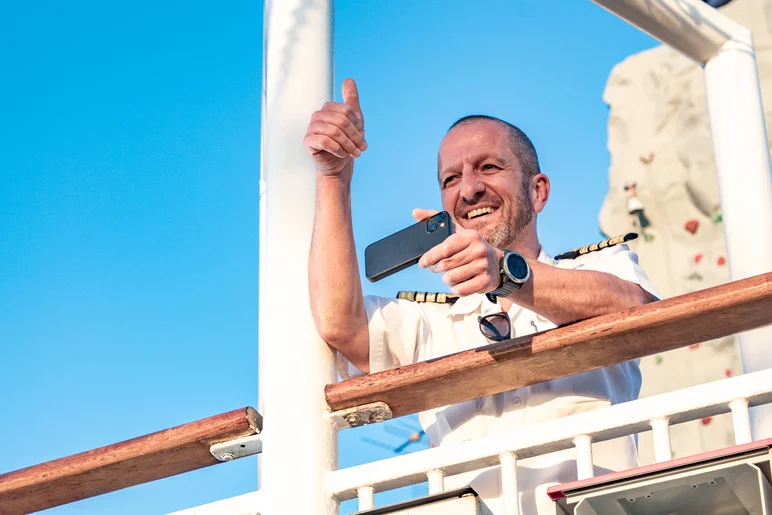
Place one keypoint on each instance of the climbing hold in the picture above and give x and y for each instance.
(706, 421)
(721, 261)
(718, 217)
(728, 372)
(658, 359)
(697, 258)
(692, 226)
(694, 346)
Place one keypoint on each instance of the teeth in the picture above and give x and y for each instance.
(479, 211)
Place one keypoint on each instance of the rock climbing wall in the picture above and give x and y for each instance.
(662, 184)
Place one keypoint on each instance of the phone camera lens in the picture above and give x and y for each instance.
(441, 217)
(433, 227)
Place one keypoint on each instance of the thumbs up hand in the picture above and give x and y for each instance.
(336, 134)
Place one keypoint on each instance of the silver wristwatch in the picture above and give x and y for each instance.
(514, 273)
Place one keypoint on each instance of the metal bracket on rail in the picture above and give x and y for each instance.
(238, 448)
(362, 415)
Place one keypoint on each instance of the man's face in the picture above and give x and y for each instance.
(482, 183)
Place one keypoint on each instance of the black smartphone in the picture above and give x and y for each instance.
(404, 248)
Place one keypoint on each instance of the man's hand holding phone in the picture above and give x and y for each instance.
(469, 264)
(336, 134)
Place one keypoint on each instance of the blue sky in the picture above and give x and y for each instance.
(129, 167)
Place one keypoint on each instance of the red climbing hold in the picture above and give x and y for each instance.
(706, 421)
(728, 372)
(721, 261)
(697, 258)
(694, 346)
(692, 225)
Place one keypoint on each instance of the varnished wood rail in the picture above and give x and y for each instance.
(590, 344)
(133, 462)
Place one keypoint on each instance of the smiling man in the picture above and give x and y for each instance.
(503, 285)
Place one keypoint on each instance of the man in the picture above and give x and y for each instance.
(491, 185)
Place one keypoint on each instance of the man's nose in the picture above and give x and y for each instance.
(472, 189)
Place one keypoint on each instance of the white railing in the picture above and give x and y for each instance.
(657, 413)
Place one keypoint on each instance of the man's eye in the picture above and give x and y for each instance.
(448, 180)
(489, 166)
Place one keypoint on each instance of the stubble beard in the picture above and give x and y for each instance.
(515, 218)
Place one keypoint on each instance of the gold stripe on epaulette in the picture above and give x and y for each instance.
(427, 296)
(616, 240)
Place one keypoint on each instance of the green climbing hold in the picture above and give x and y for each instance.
(658, 359)
(717, 217)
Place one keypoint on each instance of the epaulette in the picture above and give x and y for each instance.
(427, 296)
(616, 240)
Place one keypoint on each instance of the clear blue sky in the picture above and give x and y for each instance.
(129, 166)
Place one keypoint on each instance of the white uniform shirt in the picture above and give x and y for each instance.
(404, 332)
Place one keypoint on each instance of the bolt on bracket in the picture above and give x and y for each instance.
(362, 415)
(238, 448)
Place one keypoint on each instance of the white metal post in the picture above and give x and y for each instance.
(295, 365)
(744, 182)
(509, 493)
(584, 466)
(660, 428)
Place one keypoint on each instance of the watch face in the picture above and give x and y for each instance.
(517, 267)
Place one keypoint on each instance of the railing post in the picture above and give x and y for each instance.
(744, 183)
(436, 479)
(741, 420)
(300, 442)
(660, 429)
(509, 492)
(366, 498)
(584, 467)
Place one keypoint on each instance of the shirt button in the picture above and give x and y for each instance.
(517, 401)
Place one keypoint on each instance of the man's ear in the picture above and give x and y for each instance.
(540, 191)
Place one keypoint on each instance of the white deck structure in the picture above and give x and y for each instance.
(298, 465)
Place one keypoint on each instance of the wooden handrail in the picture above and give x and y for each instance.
(132, 462)
(590, 344)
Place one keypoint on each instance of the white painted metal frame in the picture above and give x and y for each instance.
(301, 442)
(727, 395)
(740, 145)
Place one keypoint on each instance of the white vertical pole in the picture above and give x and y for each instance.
(744, 183)
(741, 420)
(295, 365)
(509, 493)
(660, 428)
(366, 498)
(584, 468)
(436, 479)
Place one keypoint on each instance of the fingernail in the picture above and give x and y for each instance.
(445, 278)
(437, 268)
(363, 145)
(356, 153)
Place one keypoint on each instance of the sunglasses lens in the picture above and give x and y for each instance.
(495, 327)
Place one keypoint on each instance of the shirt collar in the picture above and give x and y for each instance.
(479, 302)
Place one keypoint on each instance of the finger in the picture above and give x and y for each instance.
(422, 214)
(351, 97)
(345, 109)
(320, 143)
(454, 244)
(343, 122)
(337, 134)
(466, 272)
(457, 260)
(477, 284)
(351, 94)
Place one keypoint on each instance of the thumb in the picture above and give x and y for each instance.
(422, 214)
(351, 94)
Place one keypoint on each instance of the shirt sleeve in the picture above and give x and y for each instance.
(398, 329)
(622, 262)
